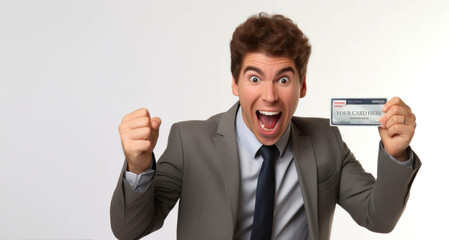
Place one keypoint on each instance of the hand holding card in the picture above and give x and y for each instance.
(397, 128)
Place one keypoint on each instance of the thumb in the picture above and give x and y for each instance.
(155, 123)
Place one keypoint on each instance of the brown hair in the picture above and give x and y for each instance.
(273, 35)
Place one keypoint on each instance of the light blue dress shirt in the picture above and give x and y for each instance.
(289, 218)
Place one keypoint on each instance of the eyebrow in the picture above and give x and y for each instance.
(286, 69)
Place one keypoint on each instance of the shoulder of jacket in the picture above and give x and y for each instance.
(208, 125)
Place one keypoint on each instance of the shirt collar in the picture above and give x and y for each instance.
(249, 140)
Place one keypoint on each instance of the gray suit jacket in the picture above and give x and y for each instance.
(200, 167)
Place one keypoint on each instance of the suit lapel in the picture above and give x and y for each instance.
(227, 149)
(307, 173)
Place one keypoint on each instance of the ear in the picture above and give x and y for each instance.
(235, 88)
(303, 88)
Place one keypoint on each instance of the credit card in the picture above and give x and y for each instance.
(356, 111)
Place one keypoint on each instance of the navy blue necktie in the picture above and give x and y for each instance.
(263, 211)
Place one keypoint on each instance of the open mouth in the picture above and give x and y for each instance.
(268, 120)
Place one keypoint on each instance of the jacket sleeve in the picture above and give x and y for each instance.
(133, 214)
(375, 204)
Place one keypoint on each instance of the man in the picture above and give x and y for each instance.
(218, 168)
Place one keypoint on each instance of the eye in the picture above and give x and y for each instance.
(254, 79)
(284, 80)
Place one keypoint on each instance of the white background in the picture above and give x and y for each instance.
(70, 70)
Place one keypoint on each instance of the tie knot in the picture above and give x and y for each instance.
(268, 152)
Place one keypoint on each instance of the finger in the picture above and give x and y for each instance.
(156, 123)
(141, 112)
(403, 120)
(138, 134)
(393, 111)
(397, 110)
(134, 123)
(383, 122)
(397, 119)
(402, 130)
(394, 101)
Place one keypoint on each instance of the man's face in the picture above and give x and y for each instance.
(269, 91)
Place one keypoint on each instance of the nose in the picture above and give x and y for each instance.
(269, 93)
